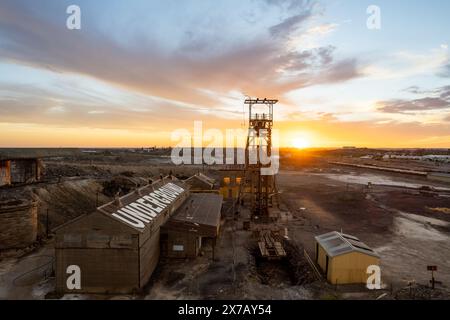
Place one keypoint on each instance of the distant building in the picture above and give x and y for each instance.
(231, 184)
(20, 171)
(344, 258)
(435, 158)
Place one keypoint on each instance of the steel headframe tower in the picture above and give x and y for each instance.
(258, 153)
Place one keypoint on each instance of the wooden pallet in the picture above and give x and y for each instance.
(269, 247)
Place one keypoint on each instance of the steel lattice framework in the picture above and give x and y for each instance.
(258, 153)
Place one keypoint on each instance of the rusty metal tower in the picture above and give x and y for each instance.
(258, 154)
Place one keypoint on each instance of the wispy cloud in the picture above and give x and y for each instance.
(402, 106)
(439, 100)
(152, 65)
(252, 67)
(289, 25)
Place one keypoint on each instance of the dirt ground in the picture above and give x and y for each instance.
(29, 276)
(235, 273)
(407, 226)
(404, 226)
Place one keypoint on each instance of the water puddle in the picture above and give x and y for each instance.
(365, 178)
(419, 227)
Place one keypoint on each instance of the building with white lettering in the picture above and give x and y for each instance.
(117, 247)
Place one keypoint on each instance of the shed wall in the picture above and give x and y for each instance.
(350, 268)
(322, 258)
(189, 242)
(118, 268)
(149, 256)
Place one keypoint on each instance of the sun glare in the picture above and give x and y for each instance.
(301, 143)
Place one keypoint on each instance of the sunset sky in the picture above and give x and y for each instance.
(139, 69)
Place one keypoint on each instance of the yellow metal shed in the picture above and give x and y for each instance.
(344, 258)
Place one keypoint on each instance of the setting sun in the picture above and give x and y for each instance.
(301, 143)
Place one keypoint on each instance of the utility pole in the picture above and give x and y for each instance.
(46, 224)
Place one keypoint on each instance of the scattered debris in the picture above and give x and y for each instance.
(421, 292)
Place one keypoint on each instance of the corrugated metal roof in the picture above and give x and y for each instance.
(203, 178)
(336, 244)
(199, 214)
(201, 208)
(140, 208)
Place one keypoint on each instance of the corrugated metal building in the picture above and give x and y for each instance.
(231, 185)
(200, 183)
(117, 247)
(26, 170)
(20, 170)
(195, 221)
(344, 258)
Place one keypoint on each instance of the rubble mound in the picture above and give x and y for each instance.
(292, 270)
(300, 268)
(421, 292)
(123, 184)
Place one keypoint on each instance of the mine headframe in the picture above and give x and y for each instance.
(258, 154)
